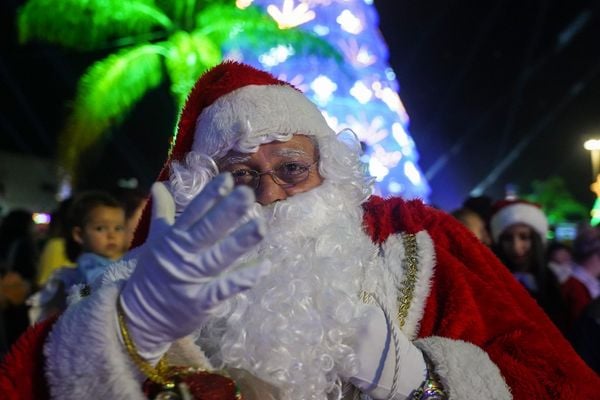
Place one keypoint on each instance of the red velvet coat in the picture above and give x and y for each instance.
(471, 299)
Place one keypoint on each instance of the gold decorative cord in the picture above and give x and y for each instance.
(411, 268)
(406, 290)
(155, 374)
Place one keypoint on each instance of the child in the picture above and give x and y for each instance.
(97, 225)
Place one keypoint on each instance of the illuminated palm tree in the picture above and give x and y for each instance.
(153, 40)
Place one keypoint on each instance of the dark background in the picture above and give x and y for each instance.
(484, 82)
(514, 82)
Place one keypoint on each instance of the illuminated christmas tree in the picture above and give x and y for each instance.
(360, 94)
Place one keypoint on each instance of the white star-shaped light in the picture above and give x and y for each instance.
(350, 22)
(276, 55)
(361, 92)
(368, 131)
(323, 88)
(290, 16)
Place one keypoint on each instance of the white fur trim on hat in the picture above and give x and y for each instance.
(519, 213)
(246, 117)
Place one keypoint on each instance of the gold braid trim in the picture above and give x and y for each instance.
(406, 290)
(155, 374)
(411, 268)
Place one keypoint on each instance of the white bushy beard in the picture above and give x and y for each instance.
(294, 329)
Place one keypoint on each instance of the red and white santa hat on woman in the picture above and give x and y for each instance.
(506, 213)
(234, 106)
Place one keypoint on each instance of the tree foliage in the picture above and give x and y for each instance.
(556, 200)
(151, 41)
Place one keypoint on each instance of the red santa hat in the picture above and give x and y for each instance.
(233, 103)
(236, 106)
(506, 213)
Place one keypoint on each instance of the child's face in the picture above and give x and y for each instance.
(103, 233)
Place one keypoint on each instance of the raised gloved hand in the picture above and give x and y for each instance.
(183, 269)
(376, 351)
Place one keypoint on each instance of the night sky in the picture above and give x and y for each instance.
(484, 82)
(498, 82)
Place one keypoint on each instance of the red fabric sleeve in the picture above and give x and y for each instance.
(475, 298)
(22, 369)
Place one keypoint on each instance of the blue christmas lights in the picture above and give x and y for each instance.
(360, 94)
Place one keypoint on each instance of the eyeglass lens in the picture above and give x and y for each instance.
(288, 173)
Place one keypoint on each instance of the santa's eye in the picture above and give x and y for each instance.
(291, 170)
(244, 176)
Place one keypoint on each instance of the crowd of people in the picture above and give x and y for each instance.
(563, 276)
(262, 267)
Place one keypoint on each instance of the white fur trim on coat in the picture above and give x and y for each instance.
(394, 254)
(465, 370)
(256, 111)
(84, 353)
(85, 358)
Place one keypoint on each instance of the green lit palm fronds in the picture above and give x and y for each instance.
(89, 24)
(253, 28)
(184, 11)
(154, 40)
(106, 92)
(189, 54)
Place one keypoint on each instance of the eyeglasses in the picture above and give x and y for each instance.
(286, 175)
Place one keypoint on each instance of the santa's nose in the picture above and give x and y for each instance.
(268, 192)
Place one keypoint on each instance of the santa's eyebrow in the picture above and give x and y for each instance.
(234, 160)
(290, 153)
(242, 159)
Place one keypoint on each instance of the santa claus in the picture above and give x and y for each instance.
(264, 269)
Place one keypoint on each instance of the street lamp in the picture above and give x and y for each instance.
(593, 145)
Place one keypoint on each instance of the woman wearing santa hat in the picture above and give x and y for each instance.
(519, 229)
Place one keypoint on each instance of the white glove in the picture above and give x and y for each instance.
(376, 351)
(182, 272)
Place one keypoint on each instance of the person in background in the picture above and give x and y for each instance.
(18, 262)
(585, 335)
(54, 254)
(583, 286)
(264, 254)
(519, 229)
(474, 223)
(559, 258)
(97, 226)
(482, 205)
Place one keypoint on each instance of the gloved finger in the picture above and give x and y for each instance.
(223, 254)
(219, 187)
(163, 210)
(237, 281)
(221, 218)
